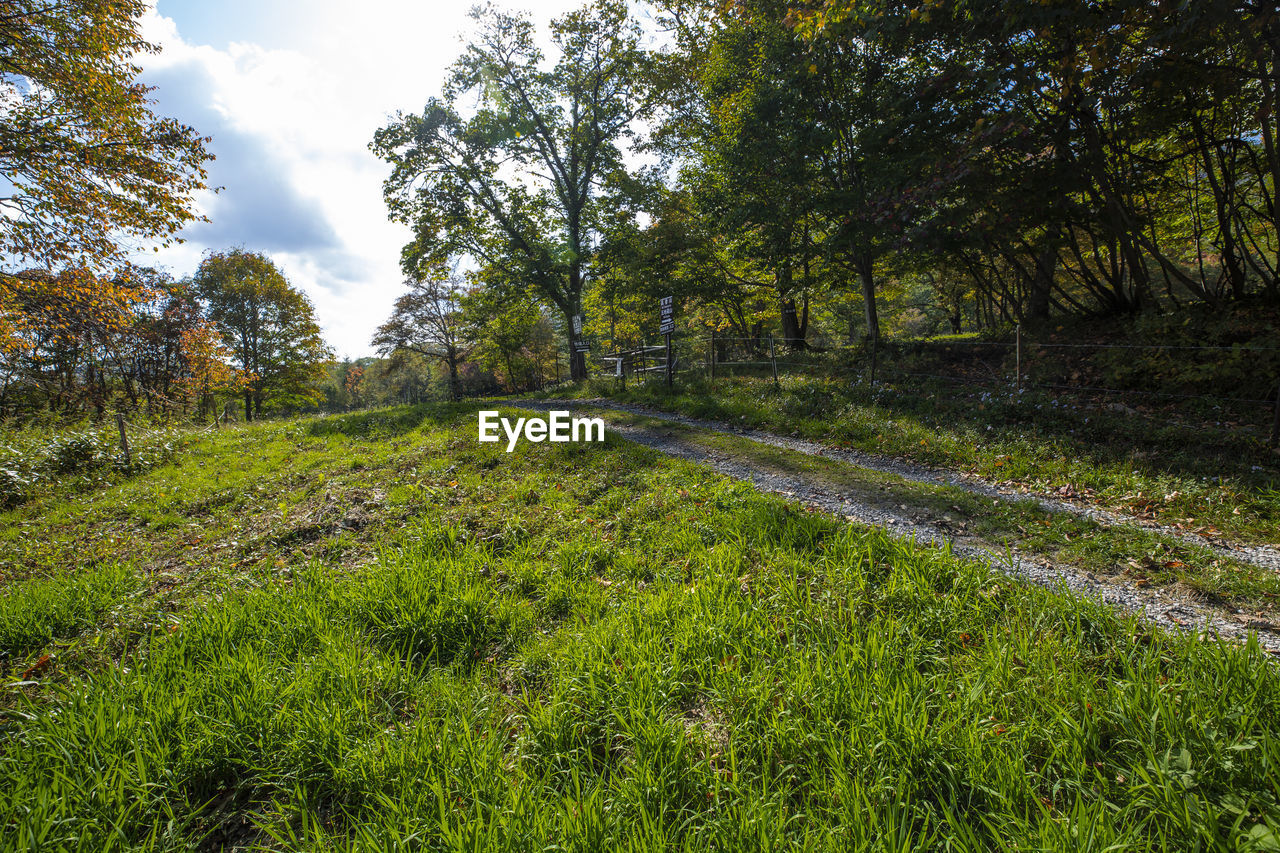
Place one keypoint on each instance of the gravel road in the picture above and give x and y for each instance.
(1171, 607)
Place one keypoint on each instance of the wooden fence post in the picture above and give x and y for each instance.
(773, 359)
(1275, 421)
(124, 440)
(712, 360)
(1017, 360)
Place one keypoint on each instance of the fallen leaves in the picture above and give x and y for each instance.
(37, 668)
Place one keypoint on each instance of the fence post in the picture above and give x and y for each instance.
(773, 359)
(1275, 422)
(124, 440)
(712, 360)
(1017, 360)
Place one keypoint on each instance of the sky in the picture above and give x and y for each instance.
(292, 94)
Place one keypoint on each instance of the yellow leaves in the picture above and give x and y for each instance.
(94, 162)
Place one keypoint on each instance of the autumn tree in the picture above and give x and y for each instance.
(353, 384)
(151, 358)
(268, 324)
(84, 164)
(76, 342)
(84, 160)
(208, 372)
(508, 166)
(58, 333)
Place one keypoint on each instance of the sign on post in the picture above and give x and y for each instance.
(667, 325)
(666, 315)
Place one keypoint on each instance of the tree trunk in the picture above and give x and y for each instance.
(1042, 283)
(577, 360)
(867, 274)
(455, 387)
(792, 331)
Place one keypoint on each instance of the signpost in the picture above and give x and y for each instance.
(579, 345)
(578, 349)
(667, 320)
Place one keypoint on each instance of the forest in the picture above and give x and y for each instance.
(837, 174)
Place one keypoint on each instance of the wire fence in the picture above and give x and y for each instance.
(727, 355)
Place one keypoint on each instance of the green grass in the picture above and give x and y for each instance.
(585, 648)
(37, 611)
(1210, 481)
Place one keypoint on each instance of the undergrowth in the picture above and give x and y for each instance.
(34, 458)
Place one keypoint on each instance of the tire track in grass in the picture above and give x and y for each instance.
(1170, 606)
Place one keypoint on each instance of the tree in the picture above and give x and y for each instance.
(799, 148)
(1095, 150)
(403, 378)
(354, 386)
(269, 325)
(686, 253)
(74, 341)
(759, 152)
(58, 332)
(512, 337)
(83, 160)
(154, 350)
(428, 321)
(517, 184)
(207, 370)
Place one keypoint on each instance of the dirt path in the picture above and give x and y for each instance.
(1170, 606)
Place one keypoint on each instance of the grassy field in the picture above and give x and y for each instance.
(1207, 480)
(374, 633)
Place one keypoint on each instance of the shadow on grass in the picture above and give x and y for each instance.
(1102, 438)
